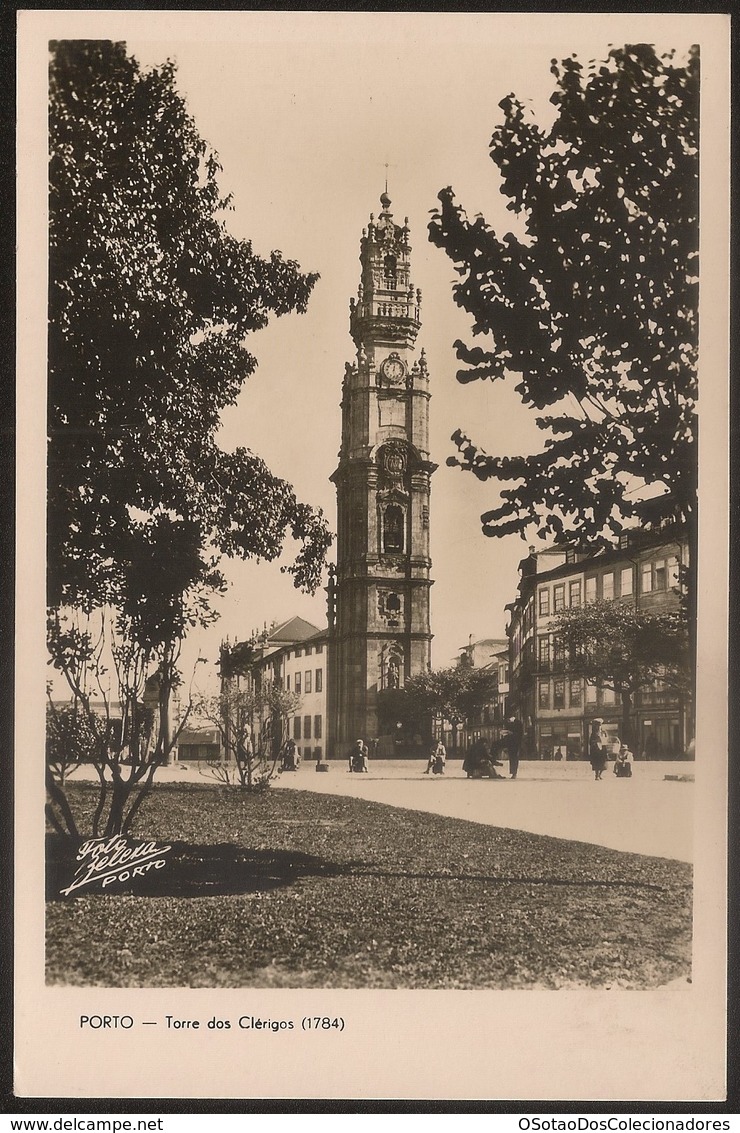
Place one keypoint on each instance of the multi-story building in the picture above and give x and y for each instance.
(303, 671)
(291, 656)
(556, 707)
(491, 656)
(501, 705)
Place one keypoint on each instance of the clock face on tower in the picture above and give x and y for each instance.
(393, 370)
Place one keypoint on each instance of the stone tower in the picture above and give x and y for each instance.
(379, 596)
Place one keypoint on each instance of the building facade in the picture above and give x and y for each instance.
(491, 656)
(291, 656)
(556, 707)
(379, 627)
(302, 670)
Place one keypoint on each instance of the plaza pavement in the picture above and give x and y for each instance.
(647, 814)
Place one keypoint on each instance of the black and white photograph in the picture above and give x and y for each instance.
(372, 680)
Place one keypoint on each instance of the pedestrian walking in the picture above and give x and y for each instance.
(597, 748)
(513, 744)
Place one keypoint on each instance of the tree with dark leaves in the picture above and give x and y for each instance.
(453, 694)
(627, 649)
(151, 300)
(593, 305)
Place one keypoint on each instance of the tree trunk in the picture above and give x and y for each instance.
(59, 799)
(116, 814)
(165, 696)
(627, 728)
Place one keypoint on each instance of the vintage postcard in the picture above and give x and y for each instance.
(373, 535)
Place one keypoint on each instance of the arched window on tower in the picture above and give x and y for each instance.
(389, 273)
(393, 530)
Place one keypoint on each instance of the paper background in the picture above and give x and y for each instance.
(397, 1044)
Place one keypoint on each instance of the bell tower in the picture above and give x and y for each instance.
(379, 598)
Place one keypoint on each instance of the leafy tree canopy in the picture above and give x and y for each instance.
(454, 693)
(622, 646)
(594, 305)
(150, 302)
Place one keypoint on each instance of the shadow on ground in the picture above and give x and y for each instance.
(227, 869)
(192, 871)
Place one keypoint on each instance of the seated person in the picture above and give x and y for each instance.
(438, 756)
(623, 763)
(358, 757)
(290, 756)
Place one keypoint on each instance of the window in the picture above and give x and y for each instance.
(558, 653)
(298, 684)
(307, 727)
(575, 694)
(299, 652)
(672, 564)
(393, 530)
(544, 602)
(558, 699)
(626, 581)
(591, 589)
(544, 652)
(389, 273)
(559, 597)
(287, 682)
(308, 650)
(319, 649)
(591, 693)
(660, 575)
(317, 727)
(607, 586)
(307, 681)
(575, 593)
(319, 680)
(296, 727)
(607, 696)
(647, 577)
(544, 694)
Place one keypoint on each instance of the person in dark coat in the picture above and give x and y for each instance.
(290, 756)
(597, 749)
(358, 757)
(513, 744)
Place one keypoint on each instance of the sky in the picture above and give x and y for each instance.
(309, 115)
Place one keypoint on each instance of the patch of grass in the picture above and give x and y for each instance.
(294, 889)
